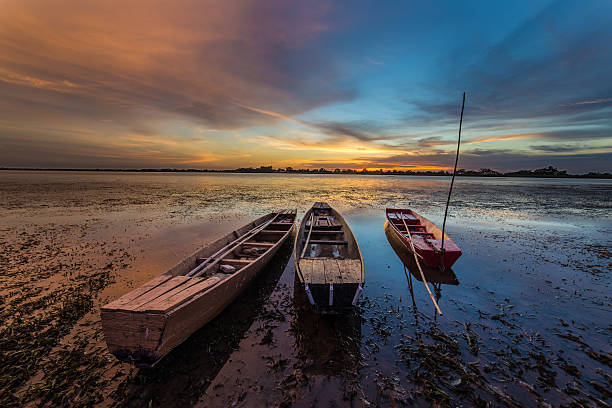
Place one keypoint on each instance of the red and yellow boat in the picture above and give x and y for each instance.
(403, 224)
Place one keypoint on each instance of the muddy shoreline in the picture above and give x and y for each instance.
(528, 324)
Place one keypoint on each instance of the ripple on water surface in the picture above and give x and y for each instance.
(528, 322)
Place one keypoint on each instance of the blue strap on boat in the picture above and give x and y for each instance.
(357, 293)
(309, 295)
(331, 294)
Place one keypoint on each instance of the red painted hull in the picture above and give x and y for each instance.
(426, 238)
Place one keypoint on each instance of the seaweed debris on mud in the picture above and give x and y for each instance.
(51, 278)
(528, 325)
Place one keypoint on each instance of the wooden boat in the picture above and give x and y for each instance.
(145, 324)
(432, 275)
(426, 237)
(328, 261)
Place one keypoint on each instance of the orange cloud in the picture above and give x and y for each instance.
(26, 80)
(339, 147)
(160, 57)
(273, 114)
(500, 138)
(588, 102)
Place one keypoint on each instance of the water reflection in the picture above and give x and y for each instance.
(436, 276)
(432, 275)
(327, 345)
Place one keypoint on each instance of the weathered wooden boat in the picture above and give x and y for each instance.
(328, 261)
(145, 324)
(403, 252)
(426, 238)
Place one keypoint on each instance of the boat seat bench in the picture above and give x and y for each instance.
(401, 224)
(262, 244)
(409, 218)
(235, 260)
(327, 242)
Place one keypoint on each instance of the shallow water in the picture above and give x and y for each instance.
(529, 322)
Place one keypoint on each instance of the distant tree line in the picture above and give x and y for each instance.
(549, 171)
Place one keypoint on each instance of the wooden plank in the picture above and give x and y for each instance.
(327, 228)
(327, 242)
(130, 296)
(128, 330)
(318, 271)
(171, 300)
(322, 221)
(420, 244)
(332, 271)
(449, 245)
(261, 244)
(236, 261)
(249, 235)
(155, 293)
(223, 250)
(308, 238)
(177, 289)
(306, 270)
(350, 270)
(354, 271)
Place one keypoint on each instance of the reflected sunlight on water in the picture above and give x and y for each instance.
(534, 282)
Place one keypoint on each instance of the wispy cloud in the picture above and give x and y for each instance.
(333, 129)
(272, 114)
(588, 102)
(25, 80)
(226, 84)
(501, 138)
(123, 59)
(374, 62)
(339, 147)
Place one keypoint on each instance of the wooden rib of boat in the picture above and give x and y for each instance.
(145, 324)
(426, 237)
(328, 261)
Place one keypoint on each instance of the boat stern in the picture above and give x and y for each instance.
(330, 298)
(132, 336)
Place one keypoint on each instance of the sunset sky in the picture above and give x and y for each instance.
(355, 84)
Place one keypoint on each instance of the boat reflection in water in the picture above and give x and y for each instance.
(329, 344)
(436, 276)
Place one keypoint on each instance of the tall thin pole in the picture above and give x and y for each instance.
(450, 190)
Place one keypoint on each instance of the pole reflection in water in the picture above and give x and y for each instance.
(435, 276)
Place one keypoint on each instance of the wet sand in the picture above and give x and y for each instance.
(528, 324)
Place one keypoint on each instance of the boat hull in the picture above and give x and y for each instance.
(428, 250)
(433, 275)
(343, 268)
(144, 337)
(343, 296)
